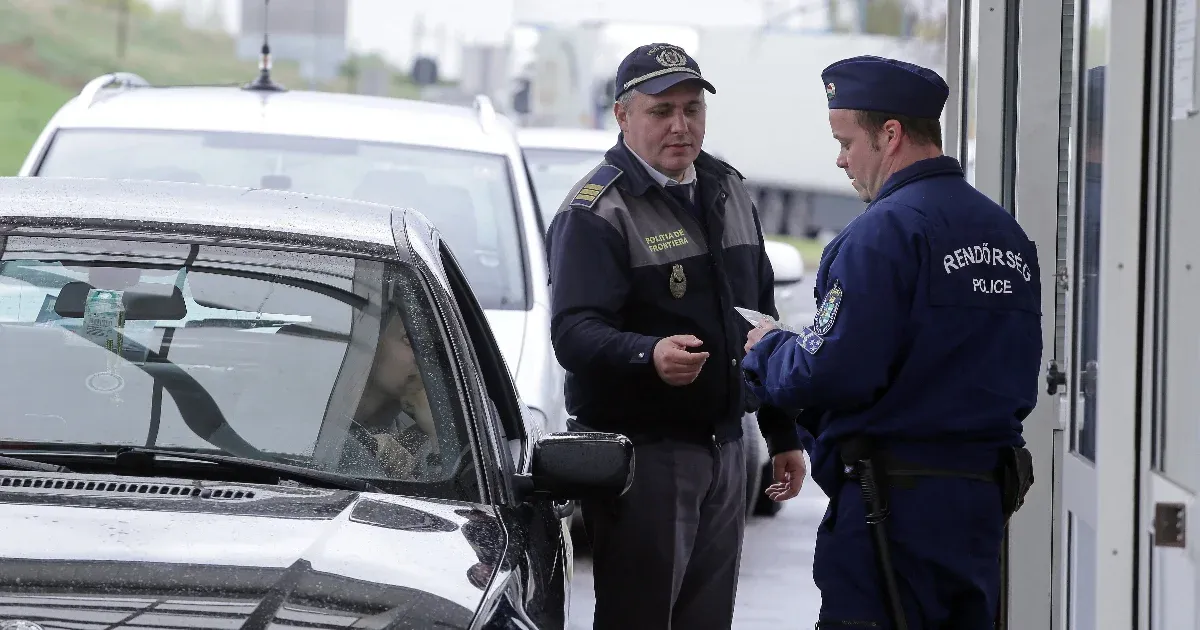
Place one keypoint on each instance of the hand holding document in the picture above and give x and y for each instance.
(760, 320)
(763, 324)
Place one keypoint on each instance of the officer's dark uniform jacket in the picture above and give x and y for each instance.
(927, 336)
(630, 264)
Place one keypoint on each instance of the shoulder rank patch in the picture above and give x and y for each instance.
(827, 312)
(599, 182)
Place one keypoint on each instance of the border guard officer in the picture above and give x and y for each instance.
(649, 255)
(920, 365)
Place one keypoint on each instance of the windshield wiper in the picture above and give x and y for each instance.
(17, 463)
(143, 455)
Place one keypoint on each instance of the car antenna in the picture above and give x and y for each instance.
(263, 82)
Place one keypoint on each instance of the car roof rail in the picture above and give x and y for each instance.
(485, 111)
(126, 80)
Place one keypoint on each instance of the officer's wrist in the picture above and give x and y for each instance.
(642, 355)
(783, 441)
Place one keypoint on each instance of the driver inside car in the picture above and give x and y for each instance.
(395, 409)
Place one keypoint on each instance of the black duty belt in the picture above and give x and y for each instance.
(894, 468)
(1013, 470)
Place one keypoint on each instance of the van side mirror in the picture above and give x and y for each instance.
(521, 103)
(786, 262)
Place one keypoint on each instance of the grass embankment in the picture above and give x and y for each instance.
(50, 48)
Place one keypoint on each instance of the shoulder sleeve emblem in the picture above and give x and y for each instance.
(827, 312)
(599, 182)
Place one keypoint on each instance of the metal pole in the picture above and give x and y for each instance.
(316, 43)
(122, 28)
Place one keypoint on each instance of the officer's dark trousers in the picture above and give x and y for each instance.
(945, 534)
(666, 553)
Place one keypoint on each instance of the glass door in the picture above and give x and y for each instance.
(1079, 467)
(1174, 307)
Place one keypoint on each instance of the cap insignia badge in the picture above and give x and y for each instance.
(671, 58)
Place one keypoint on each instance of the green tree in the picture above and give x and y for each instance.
(886, 17)
(879, 17)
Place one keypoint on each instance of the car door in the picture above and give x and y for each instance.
(538, 545)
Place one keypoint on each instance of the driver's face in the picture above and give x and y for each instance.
(395, 364)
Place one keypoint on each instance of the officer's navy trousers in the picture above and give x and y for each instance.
(666, 553)
(946, 535)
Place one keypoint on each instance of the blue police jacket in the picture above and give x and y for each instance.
(928, 328)
(631, 264)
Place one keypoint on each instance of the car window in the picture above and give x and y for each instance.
(324, 361)
(554, 172)
(497, 381)
(467, 195)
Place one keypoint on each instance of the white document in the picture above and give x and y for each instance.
(754, 317)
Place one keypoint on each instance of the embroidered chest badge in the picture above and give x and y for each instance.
(678, 282)
(827, 312)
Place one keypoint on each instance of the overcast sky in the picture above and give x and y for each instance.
(388, 26)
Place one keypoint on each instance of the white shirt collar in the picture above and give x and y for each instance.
(689, 176)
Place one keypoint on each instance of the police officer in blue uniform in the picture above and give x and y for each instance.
(649, 255)
(917, 371)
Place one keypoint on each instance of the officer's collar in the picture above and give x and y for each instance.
(689, 175)
(929, 167)
(637, 179)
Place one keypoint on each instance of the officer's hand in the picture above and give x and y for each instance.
(674, 364)
(756, 334)
(789, 475)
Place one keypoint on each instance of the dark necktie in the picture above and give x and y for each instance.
(680, 193)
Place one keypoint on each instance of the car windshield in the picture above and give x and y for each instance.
(555, 171)
(324, 361)
(467, 195)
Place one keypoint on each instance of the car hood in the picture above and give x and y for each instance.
(89, 551)
(508, 327)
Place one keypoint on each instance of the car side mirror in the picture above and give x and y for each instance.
(786, 262)
(577, 465)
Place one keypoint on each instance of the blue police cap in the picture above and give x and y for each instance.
(654, 68)
(885, 85)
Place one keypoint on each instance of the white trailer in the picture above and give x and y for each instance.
(768, 118)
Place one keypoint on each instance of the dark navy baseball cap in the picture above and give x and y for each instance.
(654, 68)
(879, 84)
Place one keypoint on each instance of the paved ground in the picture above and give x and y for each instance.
(776, 589)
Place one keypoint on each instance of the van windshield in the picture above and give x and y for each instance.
(467, 195)
(555, 171)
